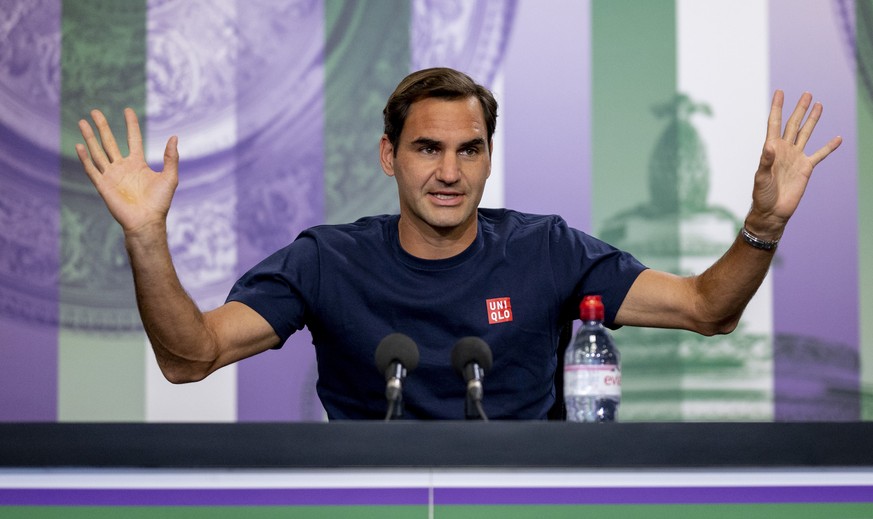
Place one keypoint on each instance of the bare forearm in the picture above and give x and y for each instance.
(710, 303)
(182, 343)
(726, 288)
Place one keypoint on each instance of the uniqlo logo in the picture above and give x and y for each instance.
(499, 310)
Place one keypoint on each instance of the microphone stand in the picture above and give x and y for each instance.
(394, 391)
(473, 409)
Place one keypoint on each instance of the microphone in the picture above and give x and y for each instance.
(471, 358)
(396, 355)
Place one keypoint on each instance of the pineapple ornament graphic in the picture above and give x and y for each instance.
(673, 375)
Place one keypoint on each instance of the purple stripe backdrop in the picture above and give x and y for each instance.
(441, 496)
(213, 497)
(280, 131)
(547, 111)
(815, 278)
(29, 371)
(30, 201)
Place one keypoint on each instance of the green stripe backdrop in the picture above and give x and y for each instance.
(101, 377)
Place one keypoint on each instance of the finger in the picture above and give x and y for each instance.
(809, 125)
(90, 169)
(94, 147)
(134, 135)
(109, 144)
(774, 122)
(793, 123)
(825, 150)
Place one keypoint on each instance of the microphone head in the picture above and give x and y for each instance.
(396, 347)
(471, 349)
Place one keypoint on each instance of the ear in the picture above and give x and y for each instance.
(386, 155)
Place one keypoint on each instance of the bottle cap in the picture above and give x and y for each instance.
(591, 308)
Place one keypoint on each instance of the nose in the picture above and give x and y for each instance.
(449, 170)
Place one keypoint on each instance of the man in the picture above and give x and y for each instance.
(440, 270)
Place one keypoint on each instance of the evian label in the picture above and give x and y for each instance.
(499, 310)
(591, 380)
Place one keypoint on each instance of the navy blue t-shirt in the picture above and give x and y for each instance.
(515, 287)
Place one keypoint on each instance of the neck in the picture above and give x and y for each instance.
(434, 243)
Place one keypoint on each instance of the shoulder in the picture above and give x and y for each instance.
(508, 224)
(370, 229)
(366, 225)
(322, 240)
(510, 219)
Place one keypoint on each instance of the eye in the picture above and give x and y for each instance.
(469, 152)
(428, 150)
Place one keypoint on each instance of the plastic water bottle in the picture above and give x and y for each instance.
(592, 369)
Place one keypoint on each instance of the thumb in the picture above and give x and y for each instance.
(171, 157)
(768, 155)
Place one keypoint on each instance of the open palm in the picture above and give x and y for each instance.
(785, 169)
(136, 195)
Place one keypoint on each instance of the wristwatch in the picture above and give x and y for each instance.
(758, 243)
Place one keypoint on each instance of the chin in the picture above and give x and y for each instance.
(447, 223)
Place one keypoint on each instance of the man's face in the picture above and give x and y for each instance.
(441, 163)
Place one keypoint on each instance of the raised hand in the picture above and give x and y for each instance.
(138, 197)
(785, 169)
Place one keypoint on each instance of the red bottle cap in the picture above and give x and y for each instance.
(591, 308)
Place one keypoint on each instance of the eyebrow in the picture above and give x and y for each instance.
(477, 142)
(426, 141)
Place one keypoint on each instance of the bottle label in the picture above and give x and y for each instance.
(592, 380)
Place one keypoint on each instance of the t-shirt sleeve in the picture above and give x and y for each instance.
(593, 267)
(281, 287)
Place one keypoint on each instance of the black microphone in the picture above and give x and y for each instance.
(471, 358)
(396, 355)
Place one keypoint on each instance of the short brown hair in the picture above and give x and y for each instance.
(443, 83)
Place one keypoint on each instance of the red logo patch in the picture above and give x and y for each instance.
(499, 310)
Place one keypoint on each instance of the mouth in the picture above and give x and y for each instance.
(445, 198)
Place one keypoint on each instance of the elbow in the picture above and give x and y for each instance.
(176, 377)
(183, 373)
(711, 317)
(717, 327)
(183, 369)
(179, 377)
